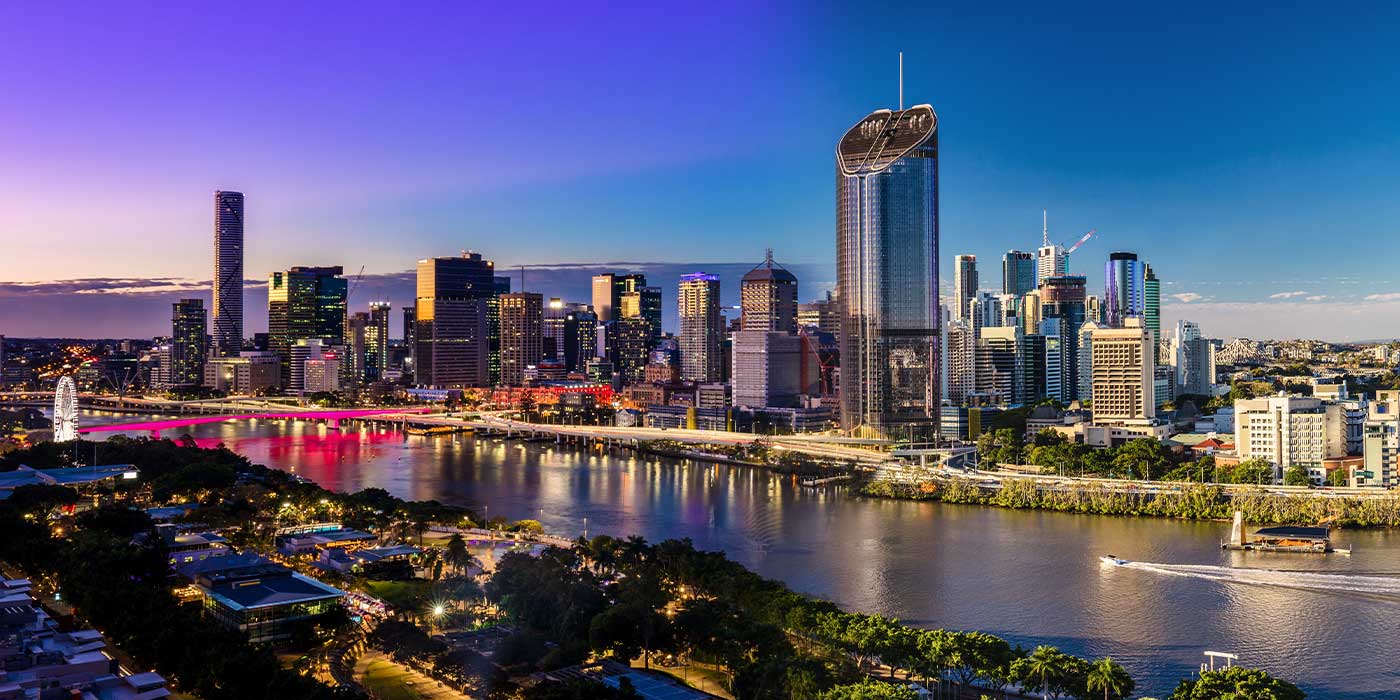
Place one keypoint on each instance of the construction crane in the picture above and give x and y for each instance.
(1082, 240)
(354, 283)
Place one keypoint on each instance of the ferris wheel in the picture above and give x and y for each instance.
(65, 411)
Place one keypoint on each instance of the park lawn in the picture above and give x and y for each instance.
(404, 595)
(387, 681)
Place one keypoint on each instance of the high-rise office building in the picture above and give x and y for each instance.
(986, 310)
(552, 325)
(1062, 299)
(1123, 373)
(1000, 365)
(887, 274)
(1193, 359)
(1122, 288)
(960, 355)
(1152, 304)
(1059, 370)
(822, 314)
(228, 274)
(1051, 260)
(1017, 272)
(629, 345)
(608, 292)
(702, 327)
(580, 338)
(1093, 309)
(500, 287)
(357, 339)
(522, 315)
(768, 370)
(377, 341)
(188, 345)
(964, 284)
(1085, 362)
(304, 303)
(451, 328)
(315, 366)
(768, 298)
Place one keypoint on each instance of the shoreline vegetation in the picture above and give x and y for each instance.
(605, 597)
(1185, 501)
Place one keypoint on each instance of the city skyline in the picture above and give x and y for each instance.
(1195, 198)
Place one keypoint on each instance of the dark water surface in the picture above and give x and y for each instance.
(1330, 623)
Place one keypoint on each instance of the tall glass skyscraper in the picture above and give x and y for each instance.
(1122, 292)
(1152, 304)
(228, 273)
(305, 303)
(1017, 272)
(887, 274)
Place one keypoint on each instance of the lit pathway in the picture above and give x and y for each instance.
(386, 679)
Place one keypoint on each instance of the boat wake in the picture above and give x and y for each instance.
(1388, 586)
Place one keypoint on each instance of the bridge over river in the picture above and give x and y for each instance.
(332, 417)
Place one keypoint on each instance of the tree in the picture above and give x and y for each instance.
(1236, 683)
(1112, 679)
(1142, 458)
(1252, 471)
(1338, 477)
(456, 554)
(1296, 476)
(869, 689)
(1045, 663)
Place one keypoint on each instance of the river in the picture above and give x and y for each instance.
(1330, 623)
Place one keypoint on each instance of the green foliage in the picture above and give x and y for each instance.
(1189, 501)
(870, 689)
(1296, 476)
(39, 499)
(1106, 676)
(1236, 683)
(122, 588)
(1338, 477)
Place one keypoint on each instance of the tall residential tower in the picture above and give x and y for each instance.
(228, 274)
(887, 274)
(702, 327)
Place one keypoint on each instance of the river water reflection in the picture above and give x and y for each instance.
(1032, 577)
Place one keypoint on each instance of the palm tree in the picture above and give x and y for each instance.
(456, 554)
(1044, 662)
(420, 526)
(1107, 675)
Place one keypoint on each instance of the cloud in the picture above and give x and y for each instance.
(1288, 295)
(1332, 319)
(1316, 297)
(125, 286)
(1187, 297)
(137, 308)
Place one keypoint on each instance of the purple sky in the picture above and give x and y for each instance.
(1250, 157)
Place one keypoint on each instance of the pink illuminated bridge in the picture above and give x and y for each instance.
(332, 417)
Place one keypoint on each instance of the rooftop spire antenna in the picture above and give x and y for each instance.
(768, 257)
(1045, 227)
(901, 81)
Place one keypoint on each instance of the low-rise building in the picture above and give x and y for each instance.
(39, 660)
(1289, 431)
(306, 539)
(261, 599)
(248, 374)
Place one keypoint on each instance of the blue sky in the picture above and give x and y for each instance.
(1246, 151)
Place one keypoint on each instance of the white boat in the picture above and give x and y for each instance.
(1110, 560)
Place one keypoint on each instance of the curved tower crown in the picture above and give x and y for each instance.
(883, 137)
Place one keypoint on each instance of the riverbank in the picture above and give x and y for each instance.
(1187, 501)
